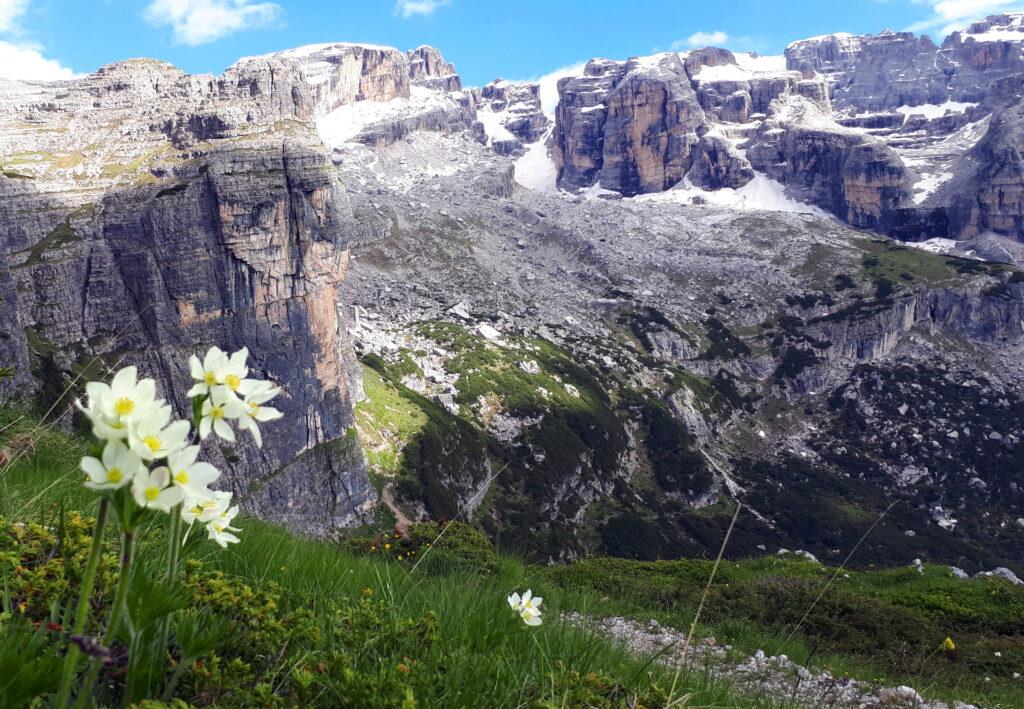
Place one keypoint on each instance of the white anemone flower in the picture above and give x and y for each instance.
(233, 372)
(206, 372)
(206, 509)
(220, 529)
(216, 411)
(105, 428)
(115, 468)
(527, 607)
(113, 407)
(255, 412)
(192, 476)
(154, 491)
(154, 437)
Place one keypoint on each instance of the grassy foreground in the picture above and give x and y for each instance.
(349, 624)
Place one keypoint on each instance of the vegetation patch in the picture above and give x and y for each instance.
(724, 344)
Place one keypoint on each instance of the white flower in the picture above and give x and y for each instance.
(112, 408)
(220, 529)
(116, 467)
(216, 410)
(527, 607)
(255, 412)
(207, 509)
(233, 372)
(206, 372)
(150, 489)
(192, 477)
(154, 437)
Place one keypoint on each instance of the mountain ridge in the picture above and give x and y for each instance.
(594, 369)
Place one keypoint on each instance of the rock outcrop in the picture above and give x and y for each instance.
(629, 127)
(844, 172)
(147, 215)
(892, 69)
(340, 73)
(511, 116)
(429, 69)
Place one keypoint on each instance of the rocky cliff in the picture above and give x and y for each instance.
(147, 215)
(896, 132)
(588, 369)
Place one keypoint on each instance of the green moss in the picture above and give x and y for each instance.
(60, 236)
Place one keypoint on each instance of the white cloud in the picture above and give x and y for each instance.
(10, 11)
(25, 62)
(549, 85)
(408, 8)
(702, 39)
(200, 21)
(21, 59)
(952, 15)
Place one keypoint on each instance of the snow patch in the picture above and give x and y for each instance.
(536, 169)
(762, 192)
(932, 111)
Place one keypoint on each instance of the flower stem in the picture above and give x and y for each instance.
(84, 598)
(173, 552)
(116, 612)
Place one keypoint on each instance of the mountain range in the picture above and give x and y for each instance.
(703, 277)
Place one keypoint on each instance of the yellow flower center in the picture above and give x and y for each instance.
(218, 527)
(152, 493)
(197, 510)
(209, 379)
(114, 475)
(124, 406)
(254, 408)
(153, 442)
(181, 478)
(117, 425)
(233, 381)
(217, 412)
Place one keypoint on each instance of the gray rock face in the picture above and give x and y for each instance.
(340, 73)
(520, 102)
(846, 173)
(429, 69)
(629, 127)
(214, 218)
(717, 164)
(579, 122)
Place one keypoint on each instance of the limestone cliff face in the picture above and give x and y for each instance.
(891, 69)
(631, 127)
(341, 73)
(428, 68)
(989, 194)
(579, 122)
(146, 215)
(854, 177)
(650, 128)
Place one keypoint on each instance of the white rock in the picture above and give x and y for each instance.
(488, 332)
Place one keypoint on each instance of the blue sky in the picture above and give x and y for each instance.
(484, 38)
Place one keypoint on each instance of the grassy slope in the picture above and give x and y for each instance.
(871, 625)
(481, 654)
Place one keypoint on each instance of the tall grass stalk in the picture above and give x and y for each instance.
(82, 612)
(700, 606)
(838, 571)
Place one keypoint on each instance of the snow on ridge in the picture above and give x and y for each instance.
(494, 124)
(761, 193)
(346, 122)
(932, 110)
(841, 37)
(748, 66)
